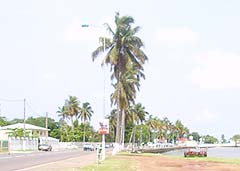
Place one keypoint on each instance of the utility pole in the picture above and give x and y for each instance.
(24, 116)
(46, 124)
(24, 121)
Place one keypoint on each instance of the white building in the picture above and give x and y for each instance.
(32, 129)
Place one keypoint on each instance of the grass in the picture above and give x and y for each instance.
(216, 159)
(203, 159)
(122, 162)
(208, 159)
(116, 163)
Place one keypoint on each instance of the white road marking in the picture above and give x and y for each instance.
(8, 157)
(34, 167)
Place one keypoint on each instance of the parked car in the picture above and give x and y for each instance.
(87, 147)
(45, 147)
(195, 152)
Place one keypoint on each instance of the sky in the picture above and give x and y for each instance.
(192, 73)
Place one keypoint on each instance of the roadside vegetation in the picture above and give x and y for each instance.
(216, 159)
(129, 161)
(113, 163)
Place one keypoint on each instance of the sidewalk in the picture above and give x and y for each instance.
(71, 164)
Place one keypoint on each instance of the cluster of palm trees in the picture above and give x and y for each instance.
(73, 111)
(145, 128)
(166, 130)
(126, 60)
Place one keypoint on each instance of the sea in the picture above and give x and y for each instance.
(223, 152)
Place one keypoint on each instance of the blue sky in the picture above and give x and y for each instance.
(192, 73)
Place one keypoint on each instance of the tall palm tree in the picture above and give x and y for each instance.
(152, 124)
(181, 129)
(85, 115)
(112, 122)
(136, 114)
(126, 90)
(62, 112)
(70, 109)
(122, 50)
(73, 108)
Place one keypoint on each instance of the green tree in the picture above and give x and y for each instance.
(208, 139)
(181, 129)
(136, 114)
(73, 108)
(125, 89)
(14, 121)
(41, 121)
(223, 140)
(195, 136)
(70, 110)
(153, 125)
(85, 115)
(124, 49)
(236, 139)
(62, 112)
(19, 133)
(112, 126)
(3, 121)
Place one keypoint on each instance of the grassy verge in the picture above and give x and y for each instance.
(116, 163)
(124, 162)
(216, 159)
(203, 159)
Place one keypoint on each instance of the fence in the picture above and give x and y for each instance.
(20, 144)
(4, 146)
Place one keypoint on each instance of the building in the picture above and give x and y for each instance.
(32, 129)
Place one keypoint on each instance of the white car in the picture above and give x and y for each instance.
(87, 147)
(44, 147)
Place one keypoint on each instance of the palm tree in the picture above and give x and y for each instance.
(181, 129)
(85, 115)
(73, 109)
(63, 112)
(112, 123)
(125, 89)
(136, 114)
(124, 49)
(70, 109)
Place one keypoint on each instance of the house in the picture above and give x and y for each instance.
(32, 129)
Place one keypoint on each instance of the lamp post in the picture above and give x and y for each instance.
(104, 48)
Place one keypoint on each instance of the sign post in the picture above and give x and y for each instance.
(104, 129)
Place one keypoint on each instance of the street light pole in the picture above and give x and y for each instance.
(104, 80)
(24, 122)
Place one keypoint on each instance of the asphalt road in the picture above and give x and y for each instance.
(19, 161)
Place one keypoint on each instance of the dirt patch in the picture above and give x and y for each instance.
(162, 163)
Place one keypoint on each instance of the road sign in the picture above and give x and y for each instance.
(104, 126)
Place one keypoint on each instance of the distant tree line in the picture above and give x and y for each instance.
(140, 126)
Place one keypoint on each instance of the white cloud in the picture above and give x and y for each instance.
(206, 116)
(49, 76)
(216, 70)
(174, 37)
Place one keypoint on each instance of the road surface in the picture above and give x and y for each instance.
(18, 162)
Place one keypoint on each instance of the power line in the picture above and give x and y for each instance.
(10, 100)
(33, 110)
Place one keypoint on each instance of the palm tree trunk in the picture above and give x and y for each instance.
(131, 136)
(84, 133)
(118, 130)
(123, 129)
(117, 138)
(133, 140)
(72, 124)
